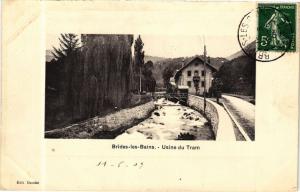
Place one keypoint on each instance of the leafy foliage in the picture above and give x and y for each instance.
(167, 74)
(149, 82)
(238, 76)
(69, 43)
(93, 80)
(147, 69)
(139, 54)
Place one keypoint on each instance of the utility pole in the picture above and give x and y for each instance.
(204, 93)
(140, 80)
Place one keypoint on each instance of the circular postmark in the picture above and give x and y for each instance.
(260, 39)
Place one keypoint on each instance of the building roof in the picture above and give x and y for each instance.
(190, 61)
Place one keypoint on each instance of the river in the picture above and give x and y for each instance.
(168, 122)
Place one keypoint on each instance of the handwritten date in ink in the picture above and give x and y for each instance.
(120, 164)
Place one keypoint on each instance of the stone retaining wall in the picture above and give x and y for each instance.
(114, 122)
(197, 103)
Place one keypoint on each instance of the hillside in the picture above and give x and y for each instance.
(249, 49)
(153, 58)
(238, 74)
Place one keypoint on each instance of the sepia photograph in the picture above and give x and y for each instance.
(150, 96)
(135, 86)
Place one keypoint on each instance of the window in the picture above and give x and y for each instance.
(189, 73)
(202, 83)
(202, 72)
(189, 83)
(196, 72)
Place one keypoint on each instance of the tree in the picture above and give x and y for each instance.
(139, 58)
(167, 74)
(217, 87)
(238, 76)
(67, 64)
(149, 82)
(147, 69)
(68, 44)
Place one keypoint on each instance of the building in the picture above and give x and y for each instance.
(194, 70)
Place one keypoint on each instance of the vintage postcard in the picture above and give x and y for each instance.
(149, 96)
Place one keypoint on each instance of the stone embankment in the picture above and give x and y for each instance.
(211, 112)
(108, 126)
(221, 123)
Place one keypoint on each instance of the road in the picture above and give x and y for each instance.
(168, 121)
(243, 112)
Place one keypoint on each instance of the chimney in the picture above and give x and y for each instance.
(208, 59)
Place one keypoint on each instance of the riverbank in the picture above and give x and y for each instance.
(108, 126)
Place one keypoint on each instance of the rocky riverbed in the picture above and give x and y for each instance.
(171, 121)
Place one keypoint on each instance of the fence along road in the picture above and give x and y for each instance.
(243, 114)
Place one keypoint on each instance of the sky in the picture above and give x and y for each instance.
(178, 46)
(181, 46)
(171, 33)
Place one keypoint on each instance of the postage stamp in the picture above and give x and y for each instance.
(271, 29)
(277, 27)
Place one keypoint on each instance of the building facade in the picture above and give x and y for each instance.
(192, 74)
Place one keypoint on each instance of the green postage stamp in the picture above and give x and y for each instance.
(277, 27)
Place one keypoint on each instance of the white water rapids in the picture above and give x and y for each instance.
(166, 123)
